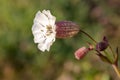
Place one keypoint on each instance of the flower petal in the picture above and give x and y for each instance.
(39, 39)
(41, 18)
(49, 16)
(41, 47)
(37, 28)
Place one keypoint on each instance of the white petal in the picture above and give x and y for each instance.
(37, 28)
(41, 47)
(39, 39)
(46, 44)
(47, 13)
(41, 18)
(49, 42)
(50, 17)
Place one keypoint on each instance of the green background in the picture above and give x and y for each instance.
(20, 58)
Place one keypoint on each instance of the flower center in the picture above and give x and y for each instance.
(49, 30)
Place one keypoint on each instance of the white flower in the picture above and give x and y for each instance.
(44, 29)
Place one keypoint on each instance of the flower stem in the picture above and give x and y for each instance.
(88, 35)
(113, 65)
(111, 50)
(116, 70)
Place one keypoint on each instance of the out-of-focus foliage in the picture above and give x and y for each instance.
(20, 58)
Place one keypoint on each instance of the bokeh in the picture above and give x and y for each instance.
(20, 58)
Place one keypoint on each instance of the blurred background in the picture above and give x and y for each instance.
(20, 58)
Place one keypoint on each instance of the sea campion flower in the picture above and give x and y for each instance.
(44, 29)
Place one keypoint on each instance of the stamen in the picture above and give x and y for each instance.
(49, 30)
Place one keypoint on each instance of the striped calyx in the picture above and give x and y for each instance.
(65, 29)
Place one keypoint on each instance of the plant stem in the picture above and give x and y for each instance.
(111, 50)
(116, 70)
(88, 35)
(113, 65)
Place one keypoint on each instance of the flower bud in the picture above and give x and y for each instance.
(66, 29)
(101, 46)
(81, 52)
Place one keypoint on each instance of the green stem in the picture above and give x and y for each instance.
(111, 50)
(88, 35)
(116, 70)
